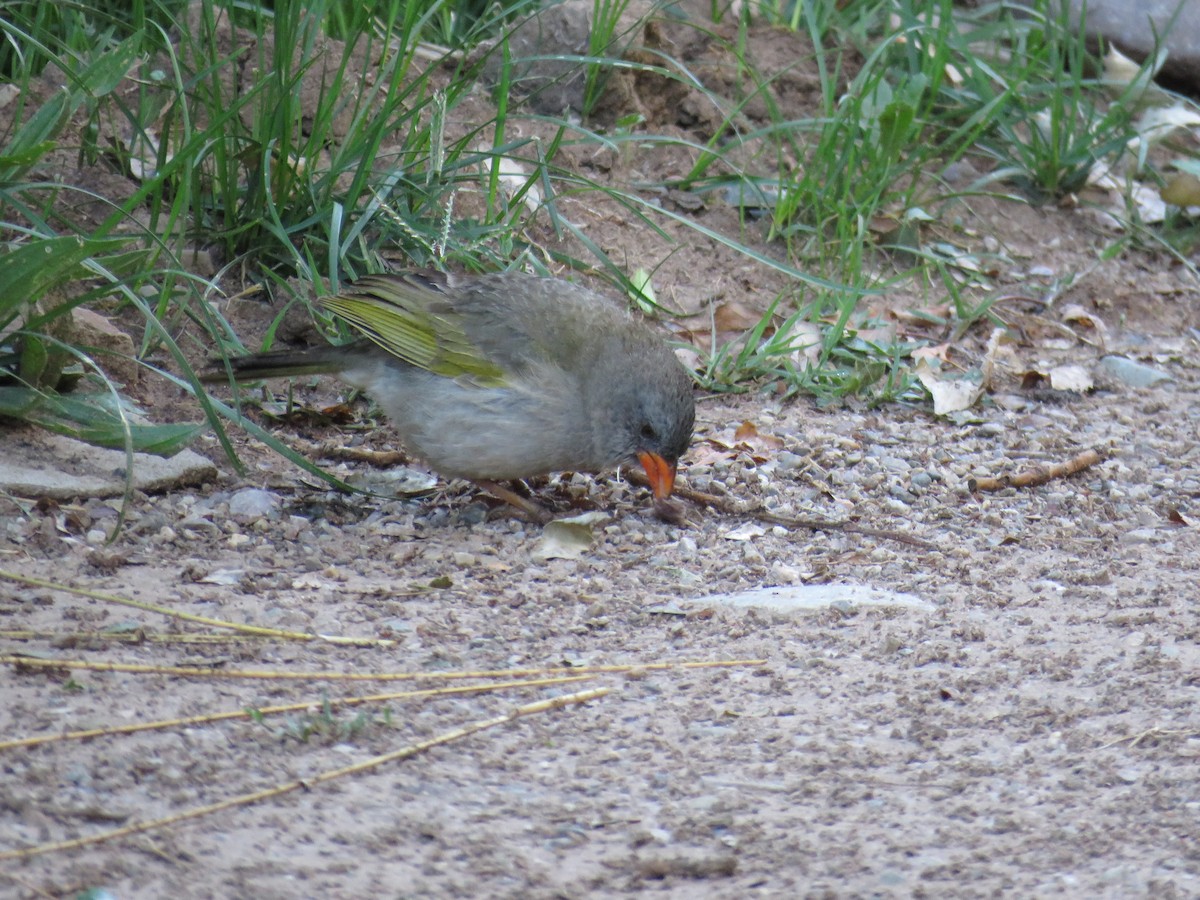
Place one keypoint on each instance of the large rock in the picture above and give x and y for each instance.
(116, 351)
(36, 463)
(1138, 29)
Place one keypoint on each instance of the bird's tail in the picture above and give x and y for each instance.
(279, 364)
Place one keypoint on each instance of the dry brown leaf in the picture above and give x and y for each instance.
(1175, 517)
(728, 320)
(735, 316)
(745, 431)
(705, 453)
(732, 443)
(940, 352)
(748, 434)
(883, 225)
(1074, 314)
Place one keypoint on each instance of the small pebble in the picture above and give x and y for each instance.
(251, 504)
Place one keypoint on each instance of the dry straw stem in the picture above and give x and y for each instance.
(246, 713)
(29, 662)
(137, 636)
(1038, 474)
(528, 709)
(1148, 735)
(201, 620)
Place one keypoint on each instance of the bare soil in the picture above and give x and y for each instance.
(1036, 734)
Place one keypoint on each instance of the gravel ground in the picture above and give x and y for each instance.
(1025, 724)
(1035, 733)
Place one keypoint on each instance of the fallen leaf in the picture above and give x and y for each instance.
(1151, 208)
(1071, 378)
(1175, 517)
(745, 532)
(223, 577)
(569, 538)
(735, 316)
(1181, 189)
(941, 353)
(806, 343)
(513, 178)
(750, 438)
(948, 395)
(724, 321)
(1158, 122)
(987, 369)
(643, 291)
(879, 336)
(1119, 70)
(939, 313)
(707, 452)
(1074, 314)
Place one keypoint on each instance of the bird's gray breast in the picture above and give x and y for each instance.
(534, 426)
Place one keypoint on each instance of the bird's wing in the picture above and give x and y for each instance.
(412, 317)
(526, 322)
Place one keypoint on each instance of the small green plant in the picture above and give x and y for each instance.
(1049, 122)
(606, 16)
(327, 726)
(38, 357)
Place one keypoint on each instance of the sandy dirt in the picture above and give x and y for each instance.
(1031, 730)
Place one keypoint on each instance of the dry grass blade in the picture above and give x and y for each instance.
(374, 762)
(1148, 735)
(201, 620)
(261, 674)
(212, 718)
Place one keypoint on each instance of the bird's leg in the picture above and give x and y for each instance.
(512, 498)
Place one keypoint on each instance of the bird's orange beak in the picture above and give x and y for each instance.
(660, 472)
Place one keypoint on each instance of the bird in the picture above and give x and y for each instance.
(503, 376)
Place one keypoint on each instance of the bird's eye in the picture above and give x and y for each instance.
(648, 432)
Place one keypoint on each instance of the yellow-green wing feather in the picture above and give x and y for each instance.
(410, 320)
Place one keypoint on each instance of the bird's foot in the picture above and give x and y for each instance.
(532, 510)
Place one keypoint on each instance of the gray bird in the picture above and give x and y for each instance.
(504, 376)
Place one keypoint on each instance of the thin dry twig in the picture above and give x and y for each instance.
(1038, 474)
(213, 718)
(382, 458)
(732, 507)
(411, 750)
(201, 620)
